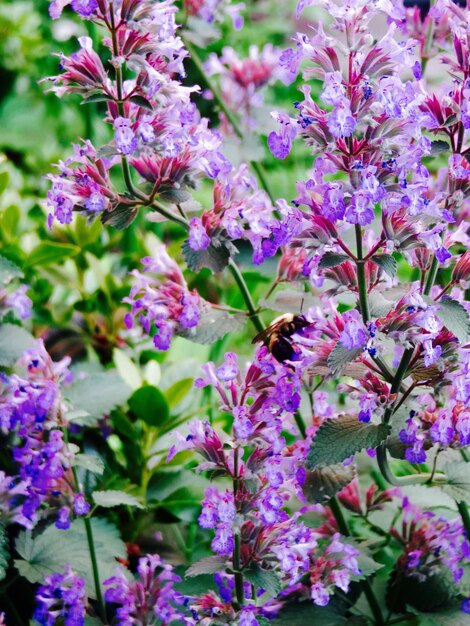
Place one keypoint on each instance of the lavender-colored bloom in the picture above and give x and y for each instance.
(432, 354)
(150, 596)
(354, 334)
(416, 453)
(442, 430)
(223, 542)
(85, 8)
(61, 203)
(280, 143)
(63, 518)
(341, 121)
(62, 598)
(95, 202)
(17, 301)
(359, 210)
(198, 237)
(80, 505)
(126, 140)
(162, 337)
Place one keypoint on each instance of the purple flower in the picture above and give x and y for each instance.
(359, 210)
(223, 542)
(80, 505)
(416, 453)
(150, 596)
(198, 237)
(280, 143)
(63, 518)
(354, 334)
(61, 599)
(126, 141)
(85, 8)
(341, 122)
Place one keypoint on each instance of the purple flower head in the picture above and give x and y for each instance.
(85, 8)
(280, 143)
(150, 596)
(341, 122)
(63, 518)
(80, 505)
(354, 334)
(198, 237)
(360, 210)
(126, 140)
(415, 453)
(62, 597)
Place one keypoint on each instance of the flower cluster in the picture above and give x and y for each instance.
(61, 599)
(150, 596)
(165, 305)
(431, 544)
(31, 408)
(250, 521)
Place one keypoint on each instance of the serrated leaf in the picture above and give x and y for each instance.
(454, 317)
(214, 258)
(323, 483)
(449, 617)
(386, 262)
(41, 556)
(208, 565)
(458, 476)
(338, 439)
(91, 463)
(341, 356)
(8, 271)
(306, 614)
(264, 579)
(425, 595)
(4, 553)
(149, 405)
(213, 325)
(109, 499)
(97, 394)
(49, 252)
(121, 216)
(142, 102)
(332, 259)
(14, 340)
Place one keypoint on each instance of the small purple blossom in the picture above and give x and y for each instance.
(61, 599)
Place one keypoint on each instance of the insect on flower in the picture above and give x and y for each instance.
(277, 337)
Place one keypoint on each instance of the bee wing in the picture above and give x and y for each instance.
(263, 336)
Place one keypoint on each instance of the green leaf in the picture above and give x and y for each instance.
(213, 325)
(120, 217)
(142, 102)
(127, 369)
(338, 439)
(97, 394)
(341, 356)
(49, 252)
(449, 617)
(110, 499)
(306, 613)
(454, 317)
(4, 553)
(14, 340)
(149, 405)
(215, 258)
(458, 475)
(91, 463)
(332, 259)
(266, 579)
(323, 483)
(8, 271)
(439, 146)
(40, 555)
(4, 181)
(208, 565)
(387, 262)
(178, 391)
(97, 97)
(365, 560)
(425, 595)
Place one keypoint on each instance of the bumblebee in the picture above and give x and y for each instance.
(277, 336)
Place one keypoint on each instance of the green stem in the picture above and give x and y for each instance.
(237, 566)
(94, 565)
(250, 305)
(431, 276)
(228, 113)
(365, 584)
(300, 424)
(465, 515)
(361, 277)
